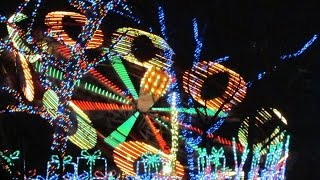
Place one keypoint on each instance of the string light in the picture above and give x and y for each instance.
(174, 134)
(85, 136)
(262, 117)
(197, 51)
(300, 51)
(162, 23)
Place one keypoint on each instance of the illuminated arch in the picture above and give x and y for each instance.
(123, 39)
(54, 21)
(193, 81)
(127, 153)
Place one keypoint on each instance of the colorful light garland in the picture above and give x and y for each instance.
(57, 104)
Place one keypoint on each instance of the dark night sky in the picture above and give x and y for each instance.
(254, 34)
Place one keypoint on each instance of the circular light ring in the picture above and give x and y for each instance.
(193, 81)
(127, 153)
(122, 42)
(54, 21)
(262, 117)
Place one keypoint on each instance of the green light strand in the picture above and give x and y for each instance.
(97, 90)
(9, 158)
(123, 74)
(51, 102)
(119, 135)
(54, 73)
(51, 72)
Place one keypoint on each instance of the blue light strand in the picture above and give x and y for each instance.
(124, 11)
(192, 141)
(131, 17)
(162, 23)
(216, 126)
(22, 6)
(33, 15)
(286, 57)
(221, 60)
(261, 75)
(21, 105)
(197, 51)
(300, 51)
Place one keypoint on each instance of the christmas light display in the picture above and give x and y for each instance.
(127, 153)
(54, 21)
(162, 143)
(63, 67)
(118, 136)
(85, 136)
(262, 118)
(193, 81)
(99, 106)
(124, 38)
(107, 82)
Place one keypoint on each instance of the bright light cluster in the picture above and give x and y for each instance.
(155, 81)
(234, 93)
(127, 153)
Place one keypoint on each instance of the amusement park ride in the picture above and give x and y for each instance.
(117, 96)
